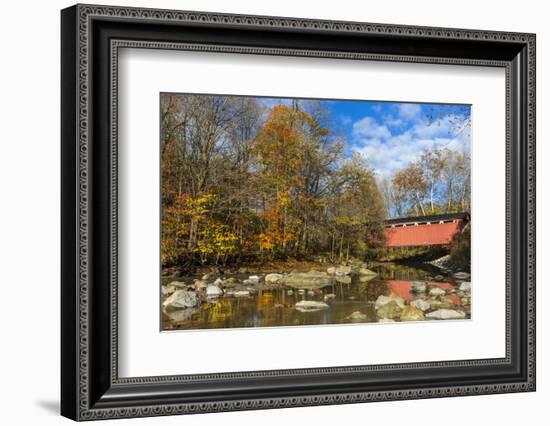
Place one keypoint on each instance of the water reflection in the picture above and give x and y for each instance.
(347, 303)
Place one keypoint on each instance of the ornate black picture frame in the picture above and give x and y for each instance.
(91, 36)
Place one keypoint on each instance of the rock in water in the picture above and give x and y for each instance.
(365, 271)
(465, 286)
(307, 280)
(439, 277)
(329, 296)
(390, 310)
(290, 292)
(253, 279)
(343, 270)
(418, 287)
(241, 293)
(357, 317)
(331, 270)
(166, 290)
(383, 300)
(177, 284)
(213, 290)
(411, 313)
(366, 278)
(436, 291)
(200, 285)
(462, 276)
(421, 304)
(343, 279)
(181, 299)
(273, 278)
(444, 314)
(310, 306)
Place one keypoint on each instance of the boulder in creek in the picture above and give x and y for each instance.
(436, 291)
(290, 292)
(181, 299)
(329, 296)
(421, 304)
(465, 286)
(307, 280)
(200, 285)
(310, 306)
(366, 278)
(445, 314)
(411, 313)
(241, 293)
(166, 290)
(366, 272)
(253, 279)
(273, 278)
(213, 290)
(357, 317)
(343, 270)
(390, 310)
(419, 287)
(462, 276)
(177, 284)
(343, 279)
(384, 300)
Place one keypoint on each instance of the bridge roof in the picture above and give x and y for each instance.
(424, 219)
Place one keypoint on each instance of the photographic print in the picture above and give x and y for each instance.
(288, 212)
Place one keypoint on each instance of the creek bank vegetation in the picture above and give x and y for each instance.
(242, 184)
(246, 184)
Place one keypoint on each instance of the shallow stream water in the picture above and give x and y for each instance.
(276, 307)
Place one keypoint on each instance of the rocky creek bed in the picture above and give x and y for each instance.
(335, 294)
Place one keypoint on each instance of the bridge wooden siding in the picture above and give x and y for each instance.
(424, 230)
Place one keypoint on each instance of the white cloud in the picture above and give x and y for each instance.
(346, 121)
(368, 127)
(388, 153)
(408, 111)
(392, 121)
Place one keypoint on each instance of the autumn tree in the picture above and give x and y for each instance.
(437, 182)
(357, 209)
(279, 149)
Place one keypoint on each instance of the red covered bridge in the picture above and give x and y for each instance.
(424, 230)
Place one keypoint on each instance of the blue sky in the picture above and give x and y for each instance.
(392, 134)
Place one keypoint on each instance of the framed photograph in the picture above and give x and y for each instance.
(263, 212)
